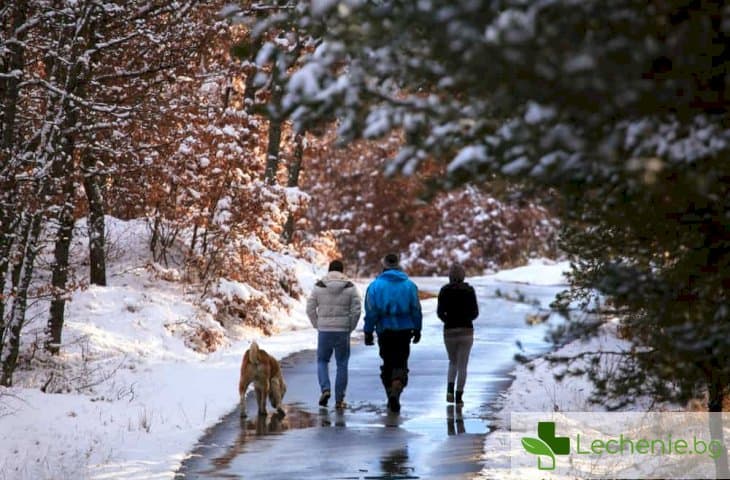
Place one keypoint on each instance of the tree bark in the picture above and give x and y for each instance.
(8, 226)
(63, 169)
(275, 123)
(97, 247)
(294, 169)
(194, 240)
(11, 87)
(273, 150)
(249, 94)
(59, 275)
(155, 237)
(22, 276)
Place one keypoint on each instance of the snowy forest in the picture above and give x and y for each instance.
(169, 113)
(197, 157)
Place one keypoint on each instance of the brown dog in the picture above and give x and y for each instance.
(264, 371)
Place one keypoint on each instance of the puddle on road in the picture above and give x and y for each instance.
(396, 465)
(350, 445)
(233, 434)
(456, 423)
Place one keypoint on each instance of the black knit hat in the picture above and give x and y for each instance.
(336, 266)
(391, 260)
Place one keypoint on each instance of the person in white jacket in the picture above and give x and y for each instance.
(334, 310)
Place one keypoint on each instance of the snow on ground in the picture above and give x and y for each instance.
(536, 272)
(149, 395)
(535, 388)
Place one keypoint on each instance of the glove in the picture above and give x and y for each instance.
(416, 336)
(369, 338)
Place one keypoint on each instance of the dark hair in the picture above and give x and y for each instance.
(336, 266)
(391, 260)
(456, 273)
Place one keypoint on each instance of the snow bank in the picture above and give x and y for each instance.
(149, 395)
(536, 272)
(135, 394)
(535, 389)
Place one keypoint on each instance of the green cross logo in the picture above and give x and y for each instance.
(546, 445)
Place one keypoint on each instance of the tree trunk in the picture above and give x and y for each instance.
(63, 184)
(8, 225)
(155, 237)
(194, 240)
(716, 395)
(294, 169)
(16, 271)
(273, 150)
(275, 123)
(22, 276)
(249, 94)
(97, 247)
(11, 87)
(59, 275)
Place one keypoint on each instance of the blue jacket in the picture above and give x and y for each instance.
(391, 303)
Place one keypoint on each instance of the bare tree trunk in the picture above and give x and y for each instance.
(7, 227)
(10, 91)
(194, 240)
(249, 94)
(155, 237)
(15, 273)
(273, 150)
(63, 177)
(11, 86)
(294, 169)
(22, 276)
(97, 247)
(275, 123)
(59, 275)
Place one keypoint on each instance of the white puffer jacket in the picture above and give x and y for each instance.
(334, 305)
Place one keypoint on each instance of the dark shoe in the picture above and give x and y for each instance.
(324, 398)
(459, 399)
(450, 393)
(394, 396)
(340, 405)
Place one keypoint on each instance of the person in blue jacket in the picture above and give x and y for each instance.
(392, 309)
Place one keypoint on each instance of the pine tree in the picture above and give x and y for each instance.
(621, 107)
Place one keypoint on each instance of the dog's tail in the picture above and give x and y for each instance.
(253, 353)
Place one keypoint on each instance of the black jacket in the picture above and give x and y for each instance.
(457, 305)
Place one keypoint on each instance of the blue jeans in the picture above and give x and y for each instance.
(339, 342)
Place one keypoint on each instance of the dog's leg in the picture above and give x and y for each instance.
(261, 428)
(261, 394)
(242, 387)
(278, 388)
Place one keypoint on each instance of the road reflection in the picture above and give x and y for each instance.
(454, 420)
(395, 465)
(249, 429)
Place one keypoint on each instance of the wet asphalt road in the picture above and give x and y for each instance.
(428, 439)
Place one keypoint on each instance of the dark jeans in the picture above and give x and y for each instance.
(395, 347)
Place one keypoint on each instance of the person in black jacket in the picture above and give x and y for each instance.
(457, 308)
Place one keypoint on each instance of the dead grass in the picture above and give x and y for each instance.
(425, 295)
